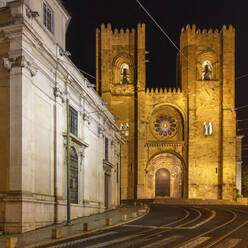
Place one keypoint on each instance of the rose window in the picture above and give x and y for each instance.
(165, 125)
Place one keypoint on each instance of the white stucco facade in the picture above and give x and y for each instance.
(36, 79)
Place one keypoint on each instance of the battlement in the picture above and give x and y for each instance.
(192, 30)
(108, 28)
(163, 91)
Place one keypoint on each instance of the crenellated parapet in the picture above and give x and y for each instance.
(163, 91)
(191, 35)
(117, 36)
(193, 30)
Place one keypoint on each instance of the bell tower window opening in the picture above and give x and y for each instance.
(124, 74)
(207, 70)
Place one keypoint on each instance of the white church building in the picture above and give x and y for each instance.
(39, 88)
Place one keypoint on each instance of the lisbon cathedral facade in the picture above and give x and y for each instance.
(181, 142)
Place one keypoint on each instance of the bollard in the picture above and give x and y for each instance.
(134, 214)
(86, 227)
(56, 234)
(124, 217)
(109, 222)
(11, 242)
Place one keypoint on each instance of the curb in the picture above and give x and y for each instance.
(85, 233)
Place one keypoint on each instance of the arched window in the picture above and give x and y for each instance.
(124, 74)
(74, 175)
(207, 70)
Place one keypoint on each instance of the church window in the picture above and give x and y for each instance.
(106, 149)
(206, 70)
(73, 116)
(124, 74)
(48, 17)
(165, 125)
(74, 176)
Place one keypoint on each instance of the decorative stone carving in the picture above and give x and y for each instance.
(166, 123)
(101, 131)
(20, 61)
(7, 63)
(59, 93)
(107, 167)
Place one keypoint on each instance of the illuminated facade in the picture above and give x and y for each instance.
(36, 80)
(181, 142)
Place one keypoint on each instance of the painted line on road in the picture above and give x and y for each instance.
(112, 242)
(229, 243)
(162, 242)
(195, 242)
(227, 234)
(84, 239)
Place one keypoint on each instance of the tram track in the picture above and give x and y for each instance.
(183, 244)
(228, 234)
(229, 227)
(177, 227)
(150, 234)
(202, 235)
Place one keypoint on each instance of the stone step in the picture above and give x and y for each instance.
(174, 201)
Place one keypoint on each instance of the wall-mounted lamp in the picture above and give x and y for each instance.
(90, 85)
(86, 117)
(215, 87)
(104, 103)
(64, 53)
(32, 14)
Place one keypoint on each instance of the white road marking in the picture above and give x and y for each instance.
(228, 243)
(84, 239)
(150, 227)
(195, 242)
(162, 242)
(112, 242)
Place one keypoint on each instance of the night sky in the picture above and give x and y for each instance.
(172, 16)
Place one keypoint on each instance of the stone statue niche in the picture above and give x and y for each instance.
(206, 70)
(124, 74)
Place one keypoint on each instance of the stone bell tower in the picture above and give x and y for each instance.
(208, 80)
(120, 72)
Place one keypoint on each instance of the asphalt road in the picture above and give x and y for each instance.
(175, 227)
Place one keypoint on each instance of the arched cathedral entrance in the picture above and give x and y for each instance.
(162, 182)
(165, 176)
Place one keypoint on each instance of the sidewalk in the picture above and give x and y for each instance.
(97, 222)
